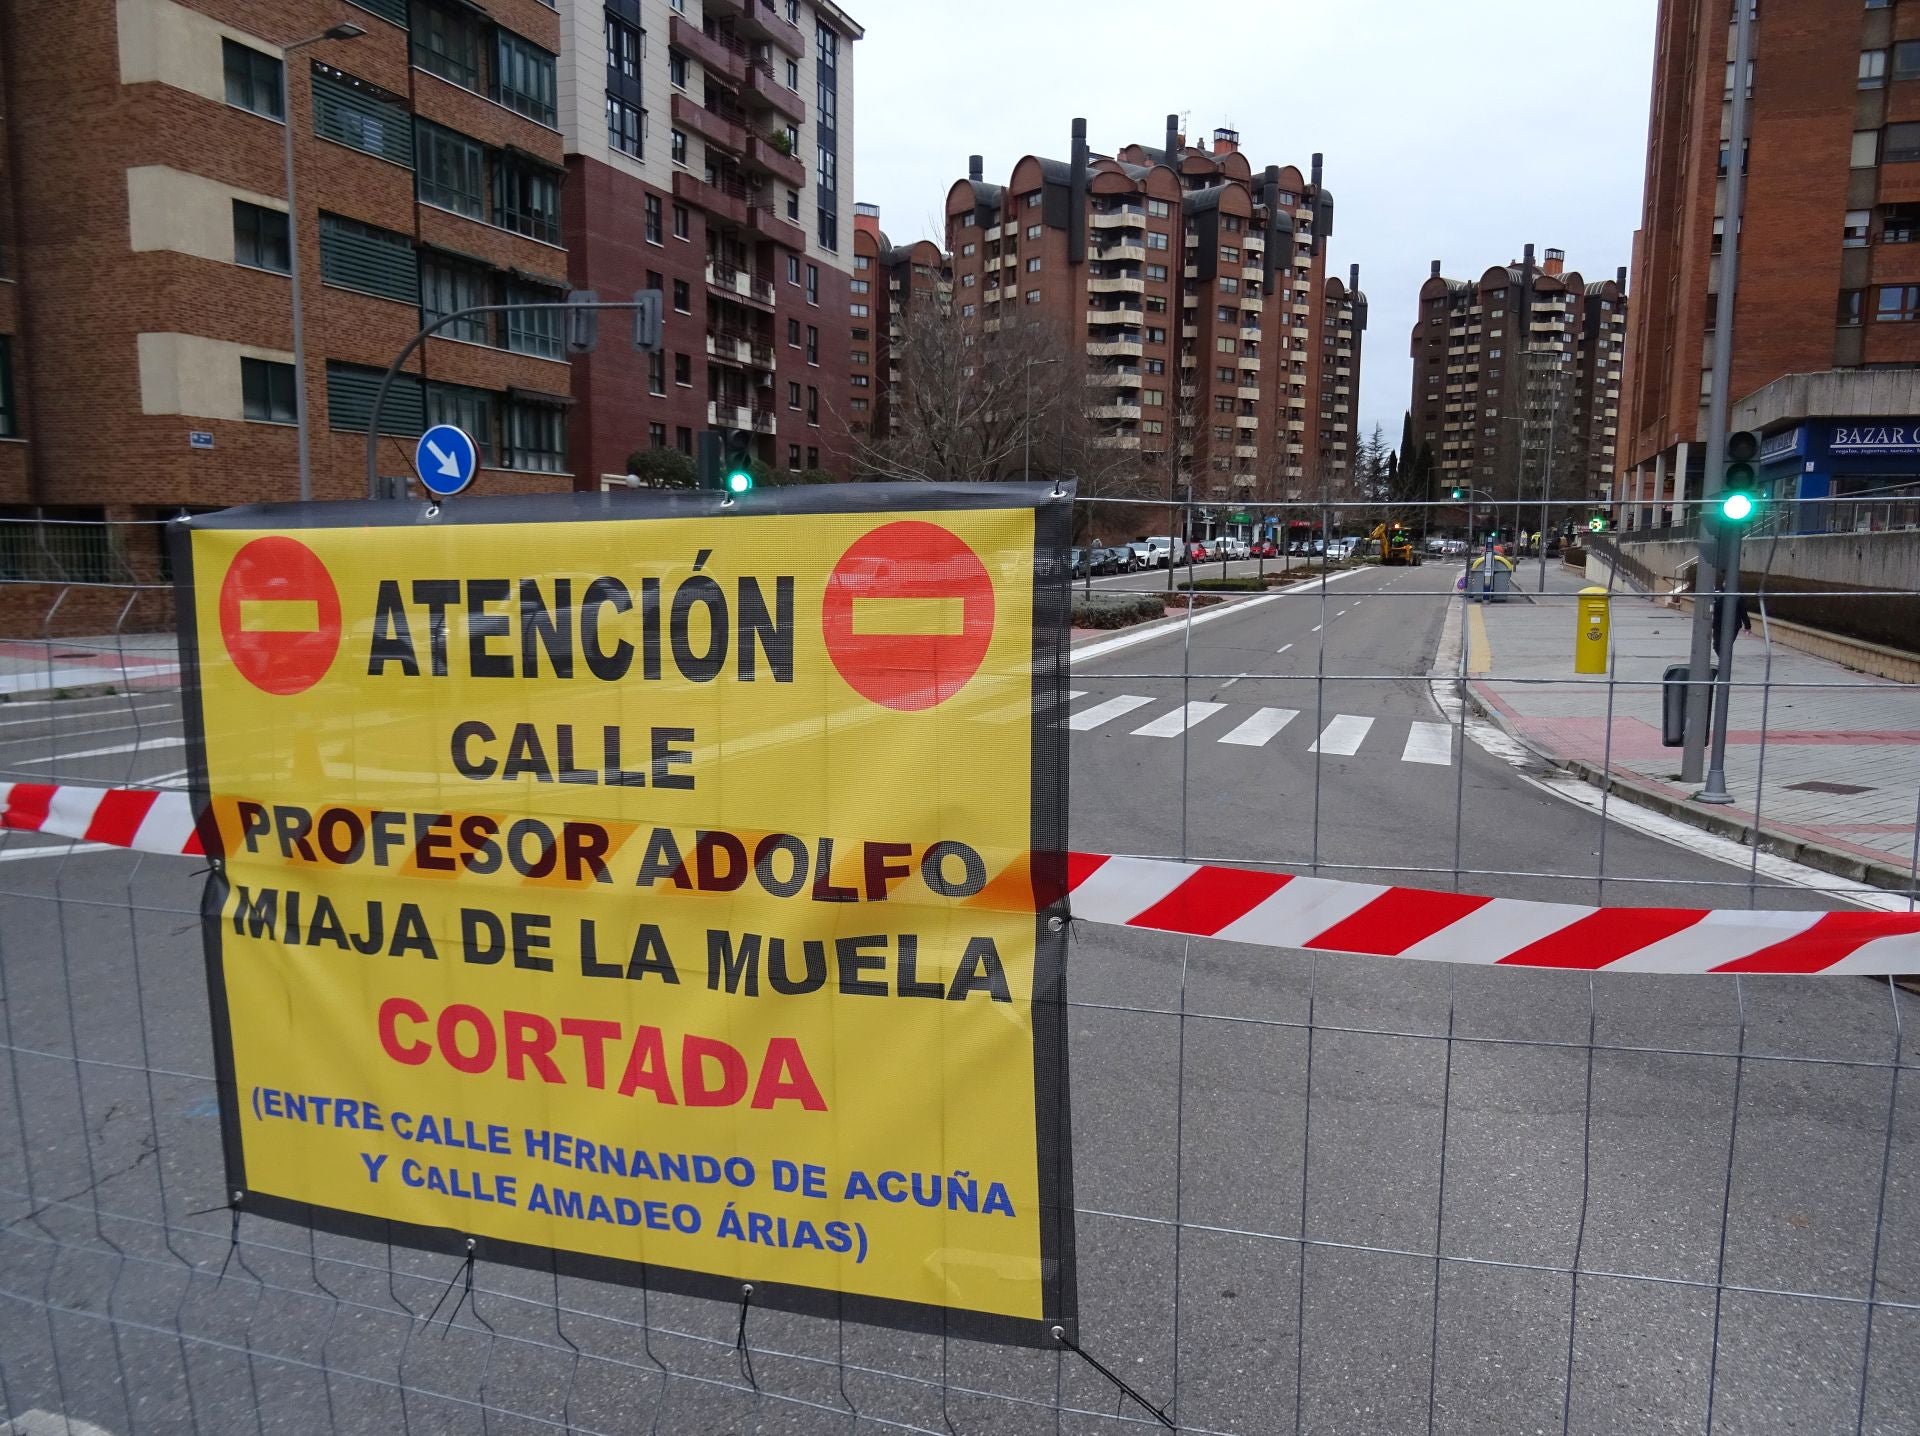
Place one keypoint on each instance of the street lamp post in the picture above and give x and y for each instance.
(1026, 423)
(345, 30)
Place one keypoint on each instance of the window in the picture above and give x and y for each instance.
(1229, 255)
(683, 370)
(813, 405)
(677, 69)
(623, 47)
(1222, 433)
(1853, 233)
(858, 311)
(373, 261)
(862, 381)
(1227, 345)
(793, 453)
(813, 345)
(446, 42)
(1852, 303)
(657, 372)
(1032, 200)
(253, 80)
(1033, 296)
(1034, 231)
(452, 170)
(1033, 265)
(1896, 303)
(859, 356)
(266, 391)
(1153, 398)
(793, 74)
(793, 333)
(1158, 208)
(683, 439)
(793, 395)
(1156, 240)
(1866, 149)
(626, 126)
(533, 331)
(536, 436)
(682, 226)
(448, 285)
(1906, 60)
(827, 45)
(1229, 285)
(967, 250)
(1900, 144)
(1899, 223)
(362, 116)
(653, 219)
(1156, 336)
(523, 78)
(829, 230)
(682, 296)
(470, 409)
(813, 284)
(1154, 366)
(863, 262)
(259, 237)
(966, 311)
(793, 269)
(1223, 375)
(1156, 304)
(1152, 426)
(861, 286)
(526, 198)
(1873, 69)
(1156, 271)
(656, 436)
(966, 281)
(8, 425)
(679, 146)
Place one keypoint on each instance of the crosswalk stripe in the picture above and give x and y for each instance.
(1259, 729)
(1172, 725)
(1106, 712)
(1343, 736)
(1429, 743)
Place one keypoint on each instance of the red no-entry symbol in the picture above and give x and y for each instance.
(280, 615)
(908, 615)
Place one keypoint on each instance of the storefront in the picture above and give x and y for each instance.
(1849, 474)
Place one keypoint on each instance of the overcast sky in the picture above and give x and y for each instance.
(1456, 132)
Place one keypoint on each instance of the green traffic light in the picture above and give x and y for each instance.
(1459, 493)
(739, 481)
(1736, 507)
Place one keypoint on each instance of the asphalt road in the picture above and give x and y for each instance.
(1225, 1101)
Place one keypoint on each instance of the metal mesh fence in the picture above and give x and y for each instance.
(1313, 1194)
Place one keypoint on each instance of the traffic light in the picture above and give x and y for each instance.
(1739, 477)
(736, 473)
(1598, 523)
(1459, 494)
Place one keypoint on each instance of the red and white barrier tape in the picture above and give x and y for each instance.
(1265, 909)
(144, 818)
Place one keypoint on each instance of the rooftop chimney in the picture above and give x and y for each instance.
(1226, 141)
(1620, 276)
(1270, 197)
(1434, 272)
(1317, 157)
(1077, 196)
(1556, 262)
(1353, 279)
(976, 168)
(1173, 140)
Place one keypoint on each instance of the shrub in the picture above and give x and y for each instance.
(1251, 583)
(1116, 610)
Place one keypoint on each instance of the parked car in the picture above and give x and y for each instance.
(1168, 551)
(1266, 548)
(1143, 554)
(1077, 560)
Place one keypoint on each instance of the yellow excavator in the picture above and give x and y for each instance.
(1394, 546)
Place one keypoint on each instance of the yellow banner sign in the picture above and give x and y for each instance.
(664, 889)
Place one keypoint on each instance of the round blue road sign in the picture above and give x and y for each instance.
(445, 459)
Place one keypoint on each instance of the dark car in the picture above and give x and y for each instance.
(1077, 562)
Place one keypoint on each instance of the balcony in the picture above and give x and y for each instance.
(1116, 441)
(765, 154)
(725, 198)
(1134, 253)
(1189, 331)
(1246, 451)
(1114, 411)
(1119, 346)
(723, 57)
(1246, 421)
(1130, 314)
(1127, 217)
(712, 126)
(1117, 284)
(765, 421)
(760, 19)
(728, 415)
(1246, 391)
(1121, 377)
(739, 284)
(763, 223)
(762, 88)
(727, 348)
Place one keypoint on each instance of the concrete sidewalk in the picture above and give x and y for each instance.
(40, 667)
(1824, 761)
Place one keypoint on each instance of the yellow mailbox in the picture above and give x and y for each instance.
(1590, 638)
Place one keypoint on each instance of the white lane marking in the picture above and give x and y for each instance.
(1231, 681)
(1343, 735)
(1106, 712)
(1179, 624)
(145, 745)
(53, 850)
(1258, 730)
(1283, 648)
(1172, 725)
(1315, 628)
(47, 719)
(40, 680)
(1429, 743)
(1341, 614)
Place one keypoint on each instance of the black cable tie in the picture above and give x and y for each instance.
(1060, 1335)
(740, 1338)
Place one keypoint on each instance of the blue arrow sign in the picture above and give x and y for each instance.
(445, 459)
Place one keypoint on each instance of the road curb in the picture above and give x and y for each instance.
(1799, 850)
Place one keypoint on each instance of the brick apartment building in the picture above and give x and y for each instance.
(1343, 326)
(889, 282)
(146, 344)
(1829, 264)
(1516, 369)
(1199, 291)
(709, 154)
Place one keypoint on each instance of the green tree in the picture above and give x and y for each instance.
(662, 468)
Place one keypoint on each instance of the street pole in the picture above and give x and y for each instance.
(1727, 617)
(1705, 578)
(346, 30)
(1546, 476)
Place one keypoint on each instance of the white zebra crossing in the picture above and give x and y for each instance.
(1344, 735)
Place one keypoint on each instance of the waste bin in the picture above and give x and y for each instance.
(1674, 690)
(1483, 589)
